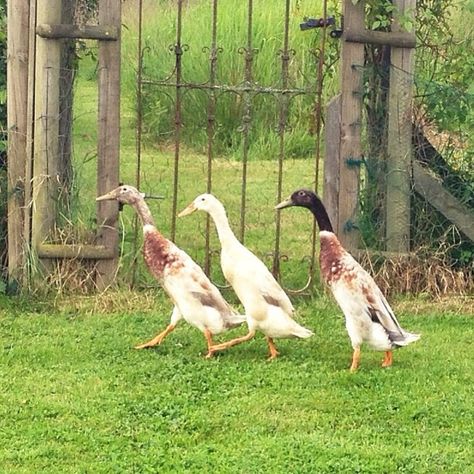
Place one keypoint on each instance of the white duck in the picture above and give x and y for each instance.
(196, 299)
(267, 307)
(369, 317)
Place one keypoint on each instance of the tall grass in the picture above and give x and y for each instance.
(159, 33)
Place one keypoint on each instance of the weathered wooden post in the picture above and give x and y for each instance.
(343, 132)
(17, 83)
(46, 126)
(343, 129)
(109, 138)
(399, 156)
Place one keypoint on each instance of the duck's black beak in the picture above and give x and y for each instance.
(286, 203)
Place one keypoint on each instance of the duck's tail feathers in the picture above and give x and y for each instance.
(403, 339)
(237, 319)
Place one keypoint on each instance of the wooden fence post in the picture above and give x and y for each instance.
(352, 57)
(109, 138)
(332, 138)
(399, 156)
(45, 187)
(17, 117)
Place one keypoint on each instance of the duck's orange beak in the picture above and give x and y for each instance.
(109, 196)
(188, 210)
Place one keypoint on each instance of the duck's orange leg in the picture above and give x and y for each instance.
(157, 339)
(233, 342)
(273, 350)
(388, 359)
(208, 336)
(355, 359)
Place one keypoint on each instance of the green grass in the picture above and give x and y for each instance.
(76, 397)
(159, 32)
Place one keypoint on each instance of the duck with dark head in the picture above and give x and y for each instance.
(195, 298)
(369, 318)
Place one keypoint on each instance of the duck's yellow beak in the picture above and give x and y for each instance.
(188, 210)
(109, 196)
(286, 203)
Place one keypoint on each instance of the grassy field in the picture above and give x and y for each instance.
(75, 397)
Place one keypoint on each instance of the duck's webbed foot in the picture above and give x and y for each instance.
(273, 350)
(355, 360)
(157, 339)
(388, 359)
(233, 342)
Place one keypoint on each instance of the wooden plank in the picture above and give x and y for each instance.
(109, 139)
(94, 32)
(400, 39)
(431, 189)
(399, 156)
(332, 131)
(352, 57)
(18, 15)
(96, 252)
(46, 126)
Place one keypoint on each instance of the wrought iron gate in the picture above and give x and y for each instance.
(247, 88)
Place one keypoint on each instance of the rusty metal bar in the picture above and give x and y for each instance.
(138, 137)
(239, 89)
(178, 51)
(211, 124)
(282, 126)
(246, 117)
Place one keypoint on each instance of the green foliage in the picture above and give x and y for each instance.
(445, 71)
(76, 397)
(159, 35)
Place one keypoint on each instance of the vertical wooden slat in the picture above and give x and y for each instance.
(30, 134)
(46, 122)
(331, 160)
(17, 90)
(109, 138)
(352, 61)
(400, 140)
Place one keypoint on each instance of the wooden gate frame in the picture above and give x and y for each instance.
(34, 31)
(343, 129)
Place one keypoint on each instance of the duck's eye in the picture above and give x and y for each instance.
(124, 190)
(301, 193)
(203, 199)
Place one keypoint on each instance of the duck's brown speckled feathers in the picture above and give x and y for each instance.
(157, 254)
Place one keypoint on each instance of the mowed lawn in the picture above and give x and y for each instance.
(76, 397)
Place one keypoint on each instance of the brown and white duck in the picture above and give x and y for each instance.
(369, 318)
(268, 308)
(195, 298)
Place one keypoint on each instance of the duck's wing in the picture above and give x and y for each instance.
(273, 293)
(186, 278)
(370, 297)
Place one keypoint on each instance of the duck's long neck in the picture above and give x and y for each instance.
(321, 215)
(144, 213)
(226, 236)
